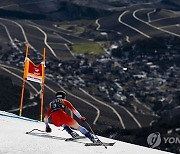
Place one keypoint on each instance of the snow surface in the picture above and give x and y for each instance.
(14, 140)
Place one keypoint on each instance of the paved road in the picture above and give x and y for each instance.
(139, 24)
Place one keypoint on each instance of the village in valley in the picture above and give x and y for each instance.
(147, 82)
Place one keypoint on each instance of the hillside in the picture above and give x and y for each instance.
(117, 60)
(14, 140)
(171, 2)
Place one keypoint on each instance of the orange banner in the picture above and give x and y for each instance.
(34, 72)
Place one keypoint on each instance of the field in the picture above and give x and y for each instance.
(91, 48)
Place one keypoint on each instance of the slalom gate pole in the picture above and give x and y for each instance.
(42, 85)
(23, 84)
(42, 101)
(95, 134)
(22, 97)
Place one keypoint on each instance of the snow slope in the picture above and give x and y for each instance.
(14, 140)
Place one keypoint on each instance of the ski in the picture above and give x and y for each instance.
(99, 144)
(76, 138)
(42, 133)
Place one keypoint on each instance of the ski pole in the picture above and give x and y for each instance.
(95, 134)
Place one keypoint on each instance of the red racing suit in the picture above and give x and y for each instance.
(58, 115)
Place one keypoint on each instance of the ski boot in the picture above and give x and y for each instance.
(74, 134)
(96, 140)
(71, 132)
(92, 138)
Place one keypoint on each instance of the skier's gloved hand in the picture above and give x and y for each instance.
(48, 129)
(83, 119)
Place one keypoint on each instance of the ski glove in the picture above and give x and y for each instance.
(48, 129)
(83, 119)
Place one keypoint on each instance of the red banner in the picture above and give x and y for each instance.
(35, 69)
(34, 72)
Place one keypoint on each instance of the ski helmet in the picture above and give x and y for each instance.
(61, 94)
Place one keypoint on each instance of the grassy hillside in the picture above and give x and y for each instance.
(10, 94)
(172, 2)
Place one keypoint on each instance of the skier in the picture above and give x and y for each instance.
(59, 117)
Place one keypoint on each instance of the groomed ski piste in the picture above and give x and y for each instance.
(14, 140)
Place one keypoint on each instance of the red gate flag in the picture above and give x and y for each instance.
(34, 72)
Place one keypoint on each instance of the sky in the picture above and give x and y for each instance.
(14, 140)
